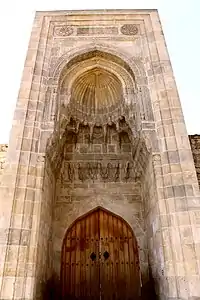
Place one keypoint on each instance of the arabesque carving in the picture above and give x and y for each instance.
(129, 29)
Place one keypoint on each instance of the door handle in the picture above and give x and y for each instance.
(93, 256)
(106, 255)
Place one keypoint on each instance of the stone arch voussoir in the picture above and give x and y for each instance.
(118, 209)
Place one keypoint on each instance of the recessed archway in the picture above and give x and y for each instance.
(97, 87)
(97, 161)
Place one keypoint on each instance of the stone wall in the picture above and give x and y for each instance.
(194, 142)
(44, 247)
(195, 145)
(138, 197)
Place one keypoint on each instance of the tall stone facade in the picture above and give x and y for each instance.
(98, 122)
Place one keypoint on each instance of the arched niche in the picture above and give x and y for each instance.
(96, 91)
(71, 72)
(116, 97)
(74, 64)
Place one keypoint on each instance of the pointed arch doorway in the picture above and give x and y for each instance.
(100, 259)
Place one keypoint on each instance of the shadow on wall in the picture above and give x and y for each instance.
(148, 290)
(51, 289)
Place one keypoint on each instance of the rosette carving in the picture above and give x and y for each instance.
(63, 30)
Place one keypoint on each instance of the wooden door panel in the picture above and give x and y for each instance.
(120, 277)
(100, 259)
(106, 287)
(79, 273)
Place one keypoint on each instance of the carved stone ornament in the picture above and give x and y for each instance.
(99, 170)
(63, 30)
(129, 29)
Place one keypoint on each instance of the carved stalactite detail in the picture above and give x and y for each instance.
(98, 131)
(114, 137)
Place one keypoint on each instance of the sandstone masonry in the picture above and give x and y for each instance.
(194, 142)
(98, 123)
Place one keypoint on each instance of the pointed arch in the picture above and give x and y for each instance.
(80, 53)
(103, 244)
(97, 208)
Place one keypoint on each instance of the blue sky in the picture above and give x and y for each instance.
(181, 26)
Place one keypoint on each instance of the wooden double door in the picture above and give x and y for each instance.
(100, 259)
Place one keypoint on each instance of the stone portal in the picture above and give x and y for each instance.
(98, 123)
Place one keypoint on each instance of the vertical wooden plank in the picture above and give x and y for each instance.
(106, 262)
(116, 255)
(87, 257)
(101, 230)
(98, 249)
(112, 255)
(78, 268)
(73, 260)
(93, 250)
(63, 268)
(126, 261)
(101, 244)
(89, 245)
(81, 257)
(110, 259)
(97, 238)
(121, 259)
(68, 264)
